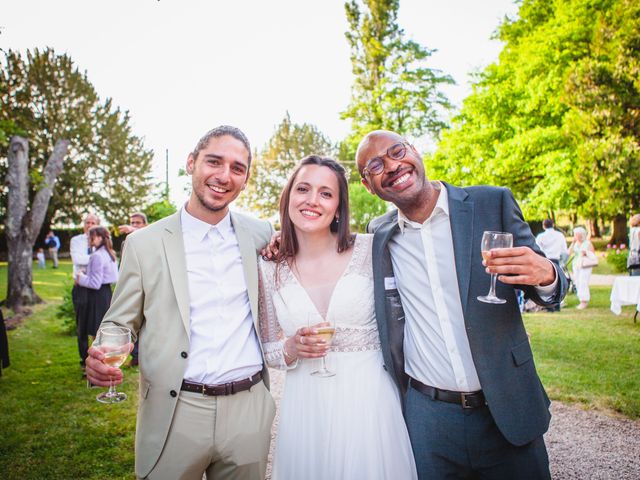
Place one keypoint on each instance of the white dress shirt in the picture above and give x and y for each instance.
(436, 347)
(223, 345)
(79, 249)
(552, 243)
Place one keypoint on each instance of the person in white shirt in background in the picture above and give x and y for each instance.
(80, 251)
(554, 246)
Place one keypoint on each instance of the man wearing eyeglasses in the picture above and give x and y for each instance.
(474, 404)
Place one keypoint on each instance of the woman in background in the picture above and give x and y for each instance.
(101, 272)
(581, 275)
(634, 246)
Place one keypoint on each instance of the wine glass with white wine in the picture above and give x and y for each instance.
(114, 343)
(491, 240)
(326, 331)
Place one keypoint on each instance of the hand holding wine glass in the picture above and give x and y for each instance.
(114, 344)
(325, 330)
(491, 240)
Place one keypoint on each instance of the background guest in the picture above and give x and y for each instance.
(633, 263)
(80, 251)
(53, 244)
(40, 258)
(101, 272)
(581, 275)
(554, 246)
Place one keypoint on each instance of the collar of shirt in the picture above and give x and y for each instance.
(199, 229)
(441, 208)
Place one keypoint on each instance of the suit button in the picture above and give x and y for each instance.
(184, 354)
(173, 393)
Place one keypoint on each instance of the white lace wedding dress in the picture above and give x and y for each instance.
(345, 427)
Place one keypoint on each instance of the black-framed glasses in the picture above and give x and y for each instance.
(395, 152)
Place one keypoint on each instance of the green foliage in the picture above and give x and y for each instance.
(589, 356)
(547, 120)
(603, 91)
(269, 171)
(393, 87)
(65, 311)
(364, 207)
(159, 210)
(617, 257)
(46, 98)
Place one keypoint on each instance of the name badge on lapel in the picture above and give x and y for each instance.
(390, 283)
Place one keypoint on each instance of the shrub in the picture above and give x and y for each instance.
(65, 311)
(617, 257)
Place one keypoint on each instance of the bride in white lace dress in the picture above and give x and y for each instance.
(348, 426)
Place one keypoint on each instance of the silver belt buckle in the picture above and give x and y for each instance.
(463, 398)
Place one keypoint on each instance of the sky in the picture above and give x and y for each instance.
(182, 67)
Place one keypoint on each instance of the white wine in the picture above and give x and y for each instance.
(485, 255)
(115, 359)
(326, 333)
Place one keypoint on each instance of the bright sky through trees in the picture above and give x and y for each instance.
(181, 68)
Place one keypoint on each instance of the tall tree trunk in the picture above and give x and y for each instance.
(594, 226)
(22, 223)
(619, 234)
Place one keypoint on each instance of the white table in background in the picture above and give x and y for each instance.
(625, 291)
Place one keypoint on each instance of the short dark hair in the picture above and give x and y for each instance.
(288, 239)
(547, 223)
(139, 215)
(222, 131)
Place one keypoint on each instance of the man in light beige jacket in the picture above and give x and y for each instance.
(188, 290)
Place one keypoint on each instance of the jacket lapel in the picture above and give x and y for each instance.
(174, 251)
(249, 263)
(461, 219)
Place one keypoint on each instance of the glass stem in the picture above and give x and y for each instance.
(492, 291)
(112, 388)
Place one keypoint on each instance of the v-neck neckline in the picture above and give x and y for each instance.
(333, 291)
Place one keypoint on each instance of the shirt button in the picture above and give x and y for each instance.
(173, 393)
(184, 354)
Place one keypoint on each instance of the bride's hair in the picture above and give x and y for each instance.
(340, 225)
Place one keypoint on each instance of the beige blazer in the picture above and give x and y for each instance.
(152, 299)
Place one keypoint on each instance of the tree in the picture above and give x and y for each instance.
(603, 90)
(363, 207)
(24, 223)
(269, 171)
(393, 87)
(45, 98)
(158, 210)
(518, 128)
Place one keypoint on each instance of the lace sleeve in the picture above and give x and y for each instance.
(271, 334)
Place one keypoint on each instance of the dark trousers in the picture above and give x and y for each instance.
(79, 296)
(450, 442)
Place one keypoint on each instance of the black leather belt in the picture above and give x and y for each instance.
(465, 399)
(222, 389)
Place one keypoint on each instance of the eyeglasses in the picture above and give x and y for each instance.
(375, 166)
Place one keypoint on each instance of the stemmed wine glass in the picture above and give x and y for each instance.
(325, 330)
(113, 342)
(491, 240)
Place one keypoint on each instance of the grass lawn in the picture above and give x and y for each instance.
(52, 426)
(589, 356)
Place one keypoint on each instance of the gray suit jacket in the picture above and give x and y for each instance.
(497, 337)
(152, 299)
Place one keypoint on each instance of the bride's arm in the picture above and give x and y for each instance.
(278, 351)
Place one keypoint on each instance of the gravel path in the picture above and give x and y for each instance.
(582, 444)
(585, 444)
